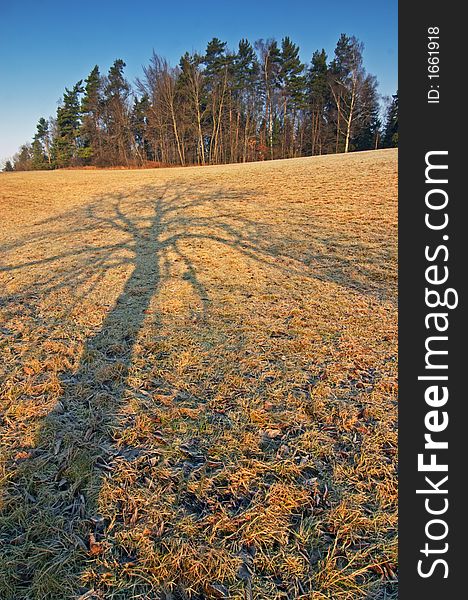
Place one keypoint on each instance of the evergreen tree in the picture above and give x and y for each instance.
(117, 115)
(246, 67)
(318, 96)
(8, 166)
(215, 60)
(390, 137)
(218, 70)
(247, 94)
(292, 84)
(22, 160)
(38, 160)
(91, 112)
(65, 146)
(40, 146)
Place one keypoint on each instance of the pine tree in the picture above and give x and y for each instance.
(40, 146)
(247, 94)
(65, 147)
(214, 60)
(390, 137)
(218, 71)
(318, 96)
(22, 160)
(38, 161)
(117, 115)
(8, 167)
(292, 83)
(91, 112)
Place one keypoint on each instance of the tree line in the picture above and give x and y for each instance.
(258, 102)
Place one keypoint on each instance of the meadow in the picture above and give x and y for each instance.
(199, 381)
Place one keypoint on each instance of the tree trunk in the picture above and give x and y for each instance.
(176, 135)
(351, 112)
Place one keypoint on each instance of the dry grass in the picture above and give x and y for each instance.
(199, 388)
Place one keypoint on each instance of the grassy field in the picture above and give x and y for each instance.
(199, 381)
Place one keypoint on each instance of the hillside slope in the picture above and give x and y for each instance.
(199, 381)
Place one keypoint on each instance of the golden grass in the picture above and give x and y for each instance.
(199, 381)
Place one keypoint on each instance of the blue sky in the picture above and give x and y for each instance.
(48, 45)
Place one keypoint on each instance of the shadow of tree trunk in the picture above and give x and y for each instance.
(57, 486)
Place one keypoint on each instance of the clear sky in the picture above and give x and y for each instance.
(48, 45)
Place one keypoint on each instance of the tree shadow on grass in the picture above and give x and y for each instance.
(51, 528)
(54, 486)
